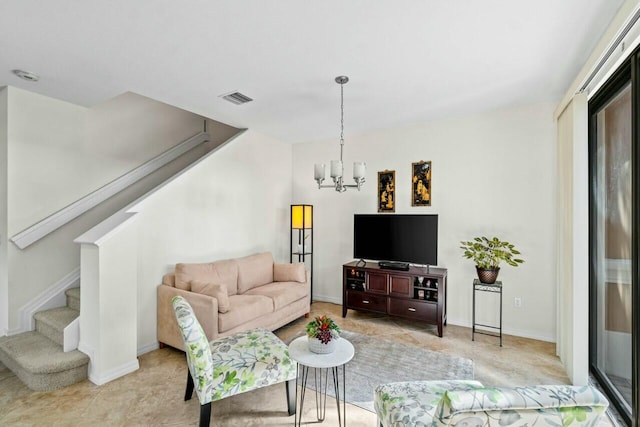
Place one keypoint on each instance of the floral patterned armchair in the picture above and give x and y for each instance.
(469, 404)
(232, 365)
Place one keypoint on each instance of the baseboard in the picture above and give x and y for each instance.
(529, 334)
(51, 297)
(114, 373)
(16, 331)
(325, 298)
(147, 348)
(111, 374)
(506, 331)
(509, 331)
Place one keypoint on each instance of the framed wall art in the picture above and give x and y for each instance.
(387, 191)
(421, 183)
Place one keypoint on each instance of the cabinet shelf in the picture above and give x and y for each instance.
(426, 301)
(396, 293)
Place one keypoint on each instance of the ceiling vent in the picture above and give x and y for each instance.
(237, 98)
(26, 75)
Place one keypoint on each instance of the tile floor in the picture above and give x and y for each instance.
(153, 394)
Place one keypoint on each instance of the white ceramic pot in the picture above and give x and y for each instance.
(317, 346)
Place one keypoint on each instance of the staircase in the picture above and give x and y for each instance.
(37, 357)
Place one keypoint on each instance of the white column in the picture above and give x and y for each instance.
(108, 298)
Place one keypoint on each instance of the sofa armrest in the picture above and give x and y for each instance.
(205, 308)
(557, 404)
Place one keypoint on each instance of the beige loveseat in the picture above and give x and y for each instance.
(234, 295)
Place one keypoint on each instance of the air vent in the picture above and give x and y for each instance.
(237, 98)
(26, 75)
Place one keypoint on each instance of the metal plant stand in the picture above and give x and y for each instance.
(496, 288)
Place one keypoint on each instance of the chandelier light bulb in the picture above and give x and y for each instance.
(337, 166)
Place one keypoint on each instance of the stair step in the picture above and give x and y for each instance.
(40, 363)
(73, 298)
(51, 323)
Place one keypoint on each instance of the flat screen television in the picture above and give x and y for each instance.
(399, 238)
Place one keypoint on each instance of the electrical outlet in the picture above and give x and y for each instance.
(517, 302)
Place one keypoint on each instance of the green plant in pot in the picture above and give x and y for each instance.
(323, 333)
(488, 254)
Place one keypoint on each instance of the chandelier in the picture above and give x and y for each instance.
(337, 167)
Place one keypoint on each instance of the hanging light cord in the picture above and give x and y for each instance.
(341, 119)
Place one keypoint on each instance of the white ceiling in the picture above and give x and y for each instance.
(408, 60)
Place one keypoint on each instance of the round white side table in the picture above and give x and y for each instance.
(321, 363)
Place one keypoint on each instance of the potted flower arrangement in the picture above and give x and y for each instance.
(488, 254)
(323, 333)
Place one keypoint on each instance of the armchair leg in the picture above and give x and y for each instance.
(205, 415)
(291, 396)
(189, 392)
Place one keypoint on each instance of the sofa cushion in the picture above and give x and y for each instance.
(547, 404)
(228, 273)
(169, 280)
(282, 293)
(225, 272)
(216, 290)
(289, 272)
(244, 308)
(412, 403)
(185, 273)
(254, 270)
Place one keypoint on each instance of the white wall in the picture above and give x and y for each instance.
(4, 283)
(59, 152)
(564, 238)
(233, 203)
(572, 241)
(493, 174)
(128, 130)
(46, 140)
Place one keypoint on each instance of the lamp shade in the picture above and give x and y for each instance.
(336, 168)
(359, 170)
(319, 172)
(301, 216)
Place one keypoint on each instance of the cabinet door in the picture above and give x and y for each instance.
(377, 282)
(400, 285)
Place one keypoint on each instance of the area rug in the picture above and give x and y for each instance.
(379, 361)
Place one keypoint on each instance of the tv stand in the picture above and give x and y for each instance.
(412, 294)
(390, 265)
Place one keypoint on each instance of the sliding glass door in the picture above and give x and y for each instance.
(613, 253)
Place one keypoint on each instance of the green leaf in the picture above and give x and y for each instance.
(488, 253)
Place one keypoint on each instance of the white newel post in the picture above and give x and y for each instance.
(108, 298)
